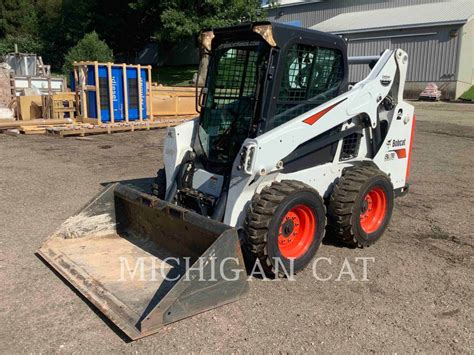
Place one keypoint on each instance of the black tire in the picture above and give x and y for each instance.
(348, 205)
(264, 222)
(158, 187)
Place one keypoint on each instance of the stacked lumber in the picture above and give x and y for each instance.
(83, 129)
(6, 124)
(66, 127)
(38, 126)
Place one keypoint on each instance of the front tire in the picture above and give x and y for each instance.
(360, 206)
(284, 227)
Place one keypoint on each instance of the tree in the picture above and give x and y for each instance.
(19, 25)
(181, 19)
(26, 44)
(90, 48)
(125, 28)
(51, 28)
(18, 17)
(63, 23)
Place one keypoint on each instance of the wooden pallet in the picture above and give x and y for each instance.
(88, 129)
(30, 130)
(36, 129)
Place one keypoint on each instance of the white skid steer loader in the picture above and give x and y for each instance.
(283, 150)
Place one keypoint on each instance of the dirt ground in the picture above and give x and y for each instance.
(418, 297)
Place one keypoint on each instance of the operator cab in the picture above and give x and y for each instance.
(257, 77)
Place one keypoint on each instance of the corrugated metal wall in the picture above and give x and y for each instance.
(432, 51)
(363, 48)
(312, 14)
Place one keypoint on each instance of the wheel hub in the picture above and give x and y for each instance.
(296, 231)
(373, 210)
(365, 205)
(288, 227)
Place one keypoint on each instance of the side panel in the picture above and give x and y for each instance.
(177, 142)
(144, 83)
(132, 89)
(394, 154)
(117, 93)
(104, 93)
(91, 100)
(240, 194)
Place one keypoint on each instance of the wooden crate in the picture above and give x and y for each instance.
(59, 105)
(173, 101)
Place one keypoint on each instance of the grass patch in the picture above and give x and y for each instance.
(468, 95)
(174, 76)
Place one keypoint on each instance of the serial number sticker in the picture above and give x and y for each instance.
(389, 156)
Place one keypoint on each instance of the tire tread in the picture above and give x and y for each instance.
(259, 216)
(343, 199)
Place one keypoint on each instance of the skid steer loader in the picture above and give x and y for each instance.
(283, 150)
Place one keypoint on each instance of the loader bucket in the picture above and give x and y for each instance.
(144, 262)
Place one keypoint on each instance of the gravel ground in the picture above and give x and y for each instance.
(419, 296)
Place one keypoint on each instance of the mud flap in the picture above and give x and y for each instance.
(144, 262)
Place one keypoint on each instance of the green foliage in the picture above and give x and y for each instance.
(90, 48)
(19, 25)
(51, 27)
(26, 44)
(468, 95)
(182, 19)
(18, 17)
(186, 18)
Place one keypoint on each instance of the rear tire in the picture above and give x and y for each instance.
(285, 223)
(158, 187)
(360, 206)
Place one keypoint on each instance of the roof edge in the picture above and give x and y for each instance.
(299, 3)
(376, 29)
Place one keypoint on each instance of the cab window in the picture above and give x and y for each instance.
(311, 76)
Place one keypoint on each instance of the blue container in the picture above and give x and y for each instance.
(117, 92)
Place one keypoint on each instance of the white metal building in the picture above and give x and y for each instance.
(438, 36)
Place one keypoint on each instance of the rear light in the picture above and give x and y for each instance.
(412, 138)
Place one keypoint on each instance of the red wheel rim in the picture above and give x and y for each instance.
(373, 210)
(296, 231)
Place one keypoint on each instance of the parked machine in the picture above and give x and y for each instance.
(282, 150)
